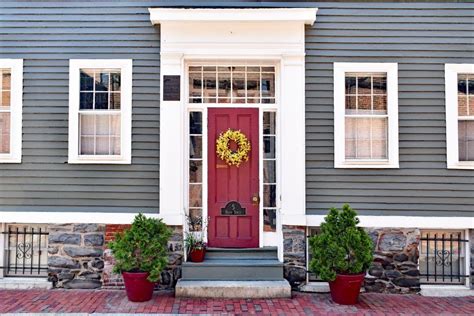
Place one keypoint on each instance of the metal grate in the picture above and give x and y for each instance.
(442, 258)
(26, 251)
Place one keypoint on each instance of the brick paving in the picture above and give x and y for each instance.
(108, 301)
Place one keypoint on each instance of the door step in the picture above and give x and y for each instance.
(242, 253)
(233, 289)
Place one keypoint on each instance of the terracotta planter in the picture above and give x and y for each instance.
(197, 255)
(137, 286)
(346, 287)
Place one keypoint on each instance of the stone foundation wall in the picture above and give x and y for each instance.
(395, 266)
(294, 254)
(75, 255)
(169, 276)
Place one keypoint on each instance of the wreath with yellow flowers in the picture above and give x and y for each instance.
(228, 155)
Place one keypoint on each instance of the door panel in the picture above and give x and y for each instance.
(233, 184)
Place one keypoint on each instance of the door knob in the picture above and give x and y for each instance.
(256, 199)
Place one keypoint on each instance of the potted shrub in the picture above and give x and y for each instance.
(342, 253)
(141, 253)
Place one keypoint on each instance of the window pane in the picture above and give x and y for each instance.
(115, 145)
(268, 85)
(350, 84)
(380, 84)
(101, 101)
(466, 140)
(195, 171)
(5, 99)
(269, 195)
(364, 85)
(269, 146)
(4, 132)
(87, 145)
(102, 145)
(238, 85)
(269, 171)
(195, 194)
(195, 215)
(115, 101)
(195, 123)
(210, 87)
(380, 104)
(6, 79)
(115, 125)
(101, 81)
(115, 81)
(379, 138)
(87, 80)
(351, 138)
(102, 124)
(269, 123)
(87, 124)
(224, 86)
(195, 147)
(351, 104)
(253, 87)
(86, 101)
(269, 220)
(195, 84)
(364, 104)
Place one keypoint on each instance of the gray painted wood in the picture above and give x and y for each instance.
(420, 37)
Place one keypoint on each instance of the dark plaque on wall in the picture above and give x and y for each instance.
(171, 88)
(233, 208)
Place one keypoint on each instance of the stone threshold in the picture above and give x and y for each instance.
(446, 291)
(19, 283)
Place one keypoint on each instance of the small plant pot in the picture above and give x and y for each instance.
(197, 255)
(346, 287)
(137, 286)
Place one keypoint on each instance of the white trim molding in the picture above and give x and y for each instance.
(303, 15)
(234, 36)
(16, 109)
(452, 137)
(340, 69)
(125, 66)
(432, 222)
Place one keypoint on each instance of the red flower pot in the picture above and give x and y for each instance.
(346, 287)
(197, 255)
(137, 286)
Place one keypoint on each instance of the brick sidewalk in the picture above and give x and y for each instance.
(90, 301)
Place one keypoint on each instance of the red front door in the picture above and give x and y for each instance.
(233, 217)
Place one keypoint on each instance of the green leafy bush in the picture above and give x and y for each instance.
(341, 247)
(142, 248)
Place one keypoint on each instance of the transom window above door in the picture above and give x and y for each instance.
(232, 84)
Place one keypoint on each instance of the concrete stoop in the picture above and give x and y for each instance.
(235, 273)
(233, 289)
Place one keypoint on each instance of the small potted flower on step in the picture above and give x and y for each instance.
(342, 253)
(141, 253)
(194, 243)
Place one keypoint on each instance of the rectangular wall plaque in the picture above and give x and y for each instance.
(171, 88)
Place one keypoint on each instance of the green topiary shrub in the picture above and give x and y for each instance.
(341, 247)
(142, 248)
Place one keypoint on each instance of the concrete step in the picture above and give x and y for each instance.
(242, 253)
(233, 269)
(233, 289)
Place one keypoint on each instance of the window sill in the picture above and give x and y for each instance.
(461, 166)
(9, 159)
(354, 165)
(97, 161)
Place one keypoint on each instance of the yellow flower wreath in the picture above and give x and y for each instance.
(226, 154)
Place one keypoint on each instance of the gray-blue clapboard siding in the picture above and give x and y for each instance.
(420, 37)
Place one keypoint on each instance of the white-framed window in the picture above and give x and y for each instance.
(100, 111)
(459, 81)
(11, 102)
(366, 115)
